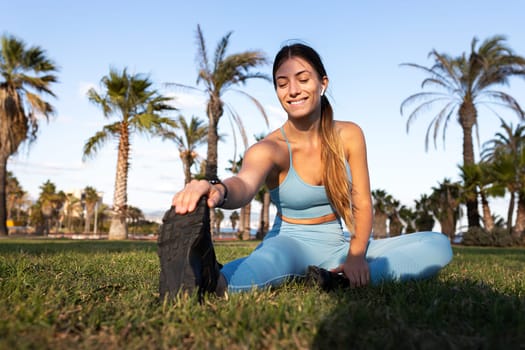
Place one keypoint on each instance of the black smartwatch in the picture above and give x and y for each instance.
(217, 181)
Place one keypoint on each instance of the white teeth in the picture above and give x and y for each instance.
(296, 102)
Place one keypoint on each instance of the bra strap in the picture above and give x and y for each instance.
(287, 144)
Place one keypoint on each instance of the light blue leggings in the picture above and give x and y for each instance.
(288, 250)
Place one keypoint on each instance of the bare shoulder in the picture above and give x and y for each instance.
(349, 131)
(268, 147)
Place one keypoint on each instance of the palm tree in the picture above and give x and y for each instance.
(50, 202)
(219, 76)
(382, 202)
(15, 196)
(263, 196)
(193, 135)
(424, 220)
(90, 199)
(462, 85)
(219, 216)
(408, 216)
(26, 75)
(482, 180)
(59, 205)
(234, 218)
(246, 211)
(138, 108)
(504, 170)
(134, 215)
(395, 225)
(36, 219)
(72, 209)
(506, 155)
(445, 205)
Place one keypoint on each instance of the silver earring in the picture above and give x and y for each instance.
(322, 92)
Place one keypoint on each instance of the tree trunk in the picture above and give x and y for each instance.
(467, 118)
(87, 224)
(517, 232)
(213, 230)
(448, 224)
(259, 233)
(217, 224)
(3, 182)
(47, 212)
(10, 204)
(68, 221)
(186, 164)
(247, 221)
(395, 226)
(13, 131)
(264, 216)
(119, 227)
(510, 212)
(266, 212)
(487, 215)
(240, 233)
(214, 113)
(379, 225)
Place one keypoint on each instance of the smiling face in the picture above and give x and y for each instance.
(299, 88)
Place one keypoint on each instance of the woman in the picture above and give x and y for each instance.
(316, 170)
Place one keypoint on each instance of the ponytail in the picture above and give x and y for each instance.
(335, 178)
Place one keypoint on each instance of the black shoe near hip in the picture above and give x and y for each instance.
(325, 279)
(186, 253)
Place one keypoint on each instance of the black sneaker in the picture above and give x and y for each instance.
(187, 257)
(325, 280)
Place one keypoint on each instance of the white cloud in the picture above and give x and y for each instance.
(46, 167)
(183, 101)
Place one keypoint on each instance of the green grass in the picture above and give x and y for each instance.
(98, 294)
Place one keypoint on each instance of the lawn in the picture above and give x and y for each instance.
(63, 294)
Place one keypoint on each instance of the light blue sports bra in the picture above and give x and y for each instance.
(297, 199)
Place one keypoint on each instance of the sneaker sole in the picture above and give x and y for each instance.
(177, 235)
(324, 279)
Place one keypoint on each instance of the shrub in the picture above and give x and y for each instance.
(497, 237)
(477, 236)
(501, 237)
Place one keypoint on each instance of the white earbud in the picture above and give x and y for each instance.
(322, 91)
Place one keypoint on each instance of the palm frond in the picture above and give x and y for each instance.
(506, 101)
(97, 99)
(234, 69)
(39, 105)
(202, 55)
(36, 60)
(448, 66)
(257, 104)
(234, 144)
(220, 51)
(435, 124)
(238, 122)
(40, 84)
(95, 142)
(430, 97)
(183, 87)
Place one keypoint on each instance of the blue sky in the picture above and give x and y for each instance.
(362, 44)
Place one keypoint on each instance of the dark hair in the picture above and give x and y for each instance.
(298, 50)
(335, 180)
